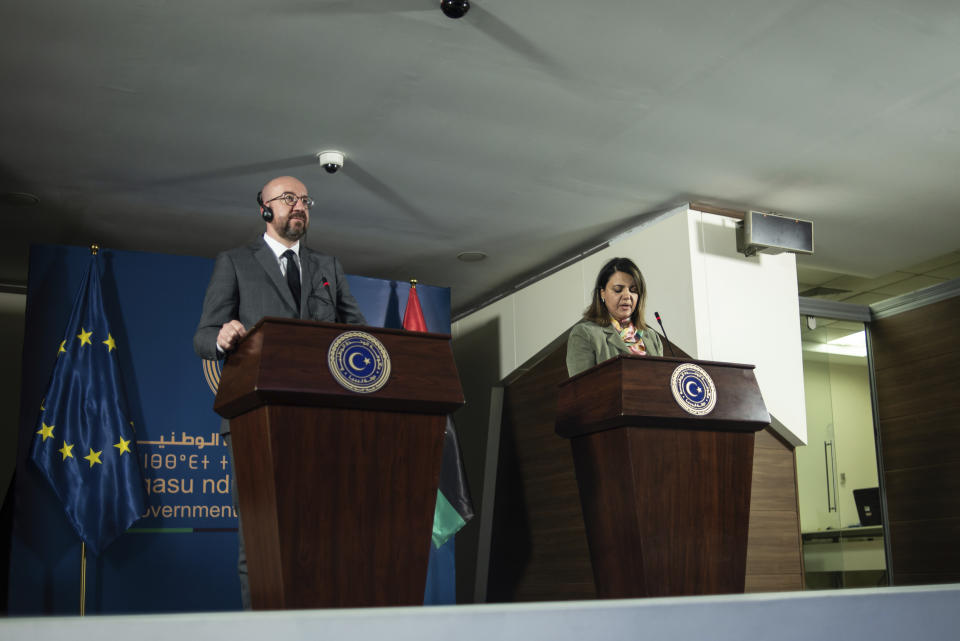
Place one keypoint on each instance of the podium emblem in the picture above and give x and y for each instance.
(693, 389)
(359, 362)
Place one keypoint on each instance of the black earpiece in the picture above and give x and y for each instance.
(266, 212)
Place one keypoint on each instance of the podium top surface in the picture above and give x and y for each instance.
(664, 359)
(376, 331)
(642, 391)
(286, 361)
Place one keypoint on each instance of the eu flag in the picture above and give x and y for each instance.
(84, 443)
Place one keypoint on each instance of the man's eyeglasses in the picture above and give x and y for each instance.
(290, 199)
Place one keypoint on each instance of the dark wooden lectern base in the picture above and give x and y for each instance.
(356, 530)
(667, 510)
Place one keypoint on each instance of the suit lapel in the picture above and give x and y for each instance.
(613, 340)
(268, 261)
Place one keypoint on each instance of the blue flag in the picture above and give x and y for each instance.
(85, 443)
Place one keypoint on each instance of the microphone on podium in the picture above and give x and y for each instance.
(669, 344)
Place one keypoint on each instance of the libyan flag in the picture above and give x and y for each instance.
(454, 507)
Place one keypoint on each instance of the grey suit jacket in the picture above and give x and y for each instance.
(589, 344)
(247, 285)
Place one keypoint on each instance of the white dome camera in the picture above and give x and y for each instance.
(331, 161)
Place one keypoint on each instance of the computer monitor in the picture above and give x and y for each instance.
(868, 505)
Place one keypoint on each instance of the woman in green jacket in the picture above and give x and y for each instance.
(613, 323)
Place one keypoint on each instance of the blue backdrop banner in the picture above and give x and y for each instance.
(181, 554)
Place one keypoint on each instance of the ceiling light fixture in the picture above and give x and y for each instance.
(854, 344)
(471, 257)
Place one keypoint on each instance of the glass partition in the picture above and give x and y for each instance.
(837, 475)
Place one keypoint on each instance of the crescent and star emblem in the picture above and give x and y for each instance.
(693, 389)
(354, 366)
(359, 362)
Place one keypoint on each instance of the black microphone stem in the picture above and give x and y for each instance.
(669, 344)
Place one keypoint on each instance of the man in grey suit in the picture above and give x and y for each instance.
(276, 275)
(251, 282)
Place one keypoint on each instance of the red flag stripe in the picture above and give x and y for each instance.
(413, 316)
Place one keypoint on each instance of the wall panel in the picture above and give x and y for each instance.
(917, 366)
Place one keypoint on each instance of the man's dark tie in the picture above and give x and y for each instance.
(293, 276)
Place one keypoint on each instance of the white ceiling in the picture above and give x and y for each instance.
(526, 130)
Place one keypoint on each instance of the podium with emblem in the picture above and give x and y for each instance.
(663, 452)
(337, 439)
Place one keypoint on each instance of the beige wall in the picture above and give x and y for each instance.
(747, 311)
(838, 409)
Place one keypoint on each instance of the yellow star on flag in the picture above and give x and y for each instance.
(84, 337)
(63, 349)
(46, 431)
(66, 450)
(123, 446)
(110, 343)
(94, 457)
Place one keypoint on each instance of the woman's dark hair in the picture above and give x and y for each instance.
(597, 311)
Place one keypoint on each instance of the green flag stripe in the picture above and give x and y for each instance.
(446, 521)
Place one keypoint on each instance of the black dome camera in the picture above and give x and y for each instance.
(331, 161)
(454, 8)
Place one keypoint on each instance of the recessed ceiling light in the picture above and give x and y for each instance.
(19, 199)
(471, 257)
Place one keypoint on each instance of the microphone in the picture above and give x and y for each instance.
(669, 344)
(326, 287)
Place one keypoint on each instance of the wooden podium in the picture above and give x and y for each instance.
(336, 487)
(665, 493)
